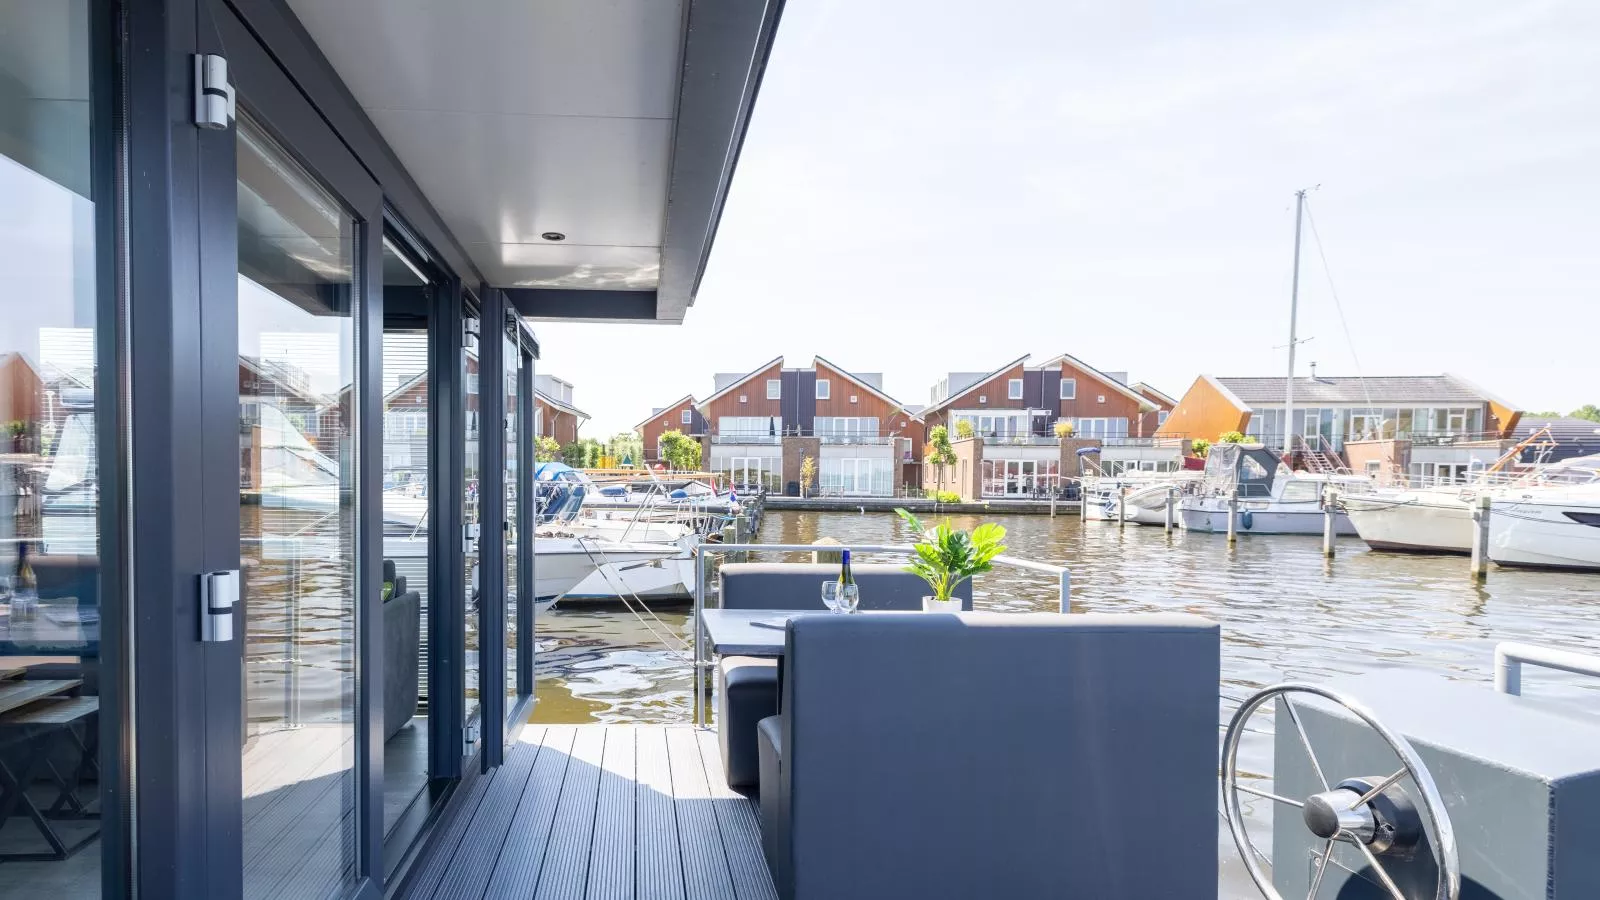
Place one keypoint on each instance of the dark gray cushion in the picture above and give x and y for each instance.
(402, 651)
(884, 586)
(774, 817)
(747, 692)
(1052, 755)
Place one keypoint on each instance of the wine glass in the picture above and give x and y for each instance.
(830, 595)
(849, 597)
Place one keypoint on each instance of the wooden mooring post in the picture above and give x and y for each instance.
(1172, 502)
(1122, 506)
(1233, 517)
(1480, 537)
(1330, 518)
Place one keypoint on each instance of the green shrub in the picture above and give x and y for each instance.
(1230, 437)
(1200, 447)
(942, 496)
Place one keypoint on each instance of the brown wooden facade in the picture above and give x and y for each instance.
(746, 397)
(669, 419)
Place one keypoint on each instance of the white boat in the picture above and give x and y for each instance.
(562, 563)
(1549, 526)
(1272, 499)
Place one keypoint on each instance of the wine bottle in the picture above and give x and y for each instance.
(844, 569)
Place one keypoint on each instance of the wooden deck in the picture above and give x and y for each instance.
(604, 812)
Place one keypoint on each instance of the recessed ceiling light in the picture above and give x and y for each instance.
(553, 236)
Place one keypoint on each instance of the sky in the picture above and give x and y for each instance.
(935, 186)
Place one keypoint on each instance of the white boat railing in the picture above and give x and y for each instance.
(702, 560)
(1511, 656)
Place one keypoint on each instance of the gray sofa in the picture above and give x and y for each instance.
(402, 652)
(747, 688)
(994, 755)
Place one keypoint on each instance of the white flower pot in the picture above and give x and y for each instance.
(953, 605)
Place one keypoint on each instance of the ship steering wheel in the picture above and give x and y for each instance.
(1374, 814)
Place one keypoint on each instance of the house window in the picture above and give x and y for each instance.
(1161, 417)
(1014, 389)
(687, 416)
(743, 399)
(1102, 398)
(854, 398)
(983, 398)
(823, 389)
(1069, 388)
(774, 388)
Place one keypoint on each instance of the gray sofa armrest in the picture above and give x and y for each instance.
(884, 586)
(402, 652)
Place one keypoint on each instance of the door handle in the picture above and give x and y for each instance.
(219, 592)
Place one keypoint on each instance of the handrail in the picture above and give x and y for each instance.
(703, 553)
(1510, 656)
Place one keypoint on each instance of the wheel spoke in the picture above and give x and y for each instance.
(1267, 794)
(1383, 874)
(1305, 742)
(1322, 867)
(1380, 787)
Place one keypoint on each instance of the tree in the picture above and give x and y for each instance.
(1200, 447)
(939, 453)
(582, 454)
(1064, 430)
(1587, 411)
(964, 428)
(1547, 414)
(545, 449)
(625, 445)
(681, 452)
(1230, 437)
(808, 475)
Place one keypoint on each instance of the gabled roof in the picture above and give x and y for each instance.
(648, 419)
(1099, 376)
(553, 403)
(976, 384)
(777, 361)
(1142, 387)
(1379, 391)
(864, 385)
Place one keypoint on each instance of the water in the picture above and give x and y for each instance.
(1286, 614)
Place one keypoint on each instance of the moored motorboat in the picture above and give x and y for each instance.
(1546, 526)
(1272, 499)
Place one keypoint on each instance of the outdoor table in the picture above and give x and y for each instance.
(31, 714)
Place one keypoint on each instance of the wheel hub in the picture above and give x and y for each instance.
(1334, 815)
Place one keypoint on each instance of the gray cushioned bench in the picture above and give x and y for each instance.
(994, 755)
(747, 688)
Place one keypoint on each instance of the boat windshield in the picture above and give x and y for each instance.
(1251, 468)
(559, 492)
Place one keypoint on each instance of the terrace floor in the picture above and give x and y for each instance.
(607, 812)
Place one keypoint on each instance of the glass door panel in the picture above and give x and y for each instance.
(470, 513)
(511, 357)
(298, 523)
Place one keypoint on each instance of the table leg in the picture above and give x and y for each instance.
(17, 786)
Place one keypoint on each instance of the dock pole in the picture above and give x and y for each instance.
(1480, 538)
(1083, 501)
(1172, 501)
(1122, 505)
(1233, 517)
(1330, 515)
(1052, 504)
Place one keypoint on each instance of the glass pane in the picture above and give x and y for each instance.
(470, 513)
(298, 523)
(406, 494)
(513, 379)
(50, 602)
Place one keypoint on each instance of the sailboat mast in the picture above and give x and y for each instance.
(1294, 310)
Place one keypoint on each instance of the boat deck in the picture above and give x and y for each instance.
(607, 812)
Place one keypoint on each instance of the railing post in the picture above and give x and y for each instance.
(1480, 537)
(1507, 673)
(1233, 516)
(701, 553)
(1330, 514)
(1066, 590)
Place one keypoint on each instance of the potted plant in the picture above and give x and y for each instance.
(946, 556)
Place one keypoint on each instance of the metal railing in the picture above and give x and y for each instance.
(855, 439)
(1021, 440)
(750, 437)
(1509, 658)
(702, 560)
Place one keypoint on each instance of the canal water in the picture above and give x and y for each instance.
(1287, 613)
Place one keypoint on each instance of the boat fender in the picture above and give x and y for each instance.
(1246, 519)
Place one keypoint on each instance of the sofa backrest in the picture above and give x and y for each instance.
(884, 586)
(1002, 755)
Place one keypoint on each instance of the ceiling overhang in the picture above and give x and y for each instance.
(580, 153)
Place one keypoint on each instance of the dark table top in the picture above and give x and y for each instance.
(750, 632)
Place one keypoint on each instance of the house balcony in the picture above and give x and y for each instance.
(1021, 440)
(749, 437)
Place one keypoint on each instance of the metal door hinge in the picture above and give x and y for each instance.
(213, 96)
(469, 331)
(471, 735)
(469, 537)
(219, 592)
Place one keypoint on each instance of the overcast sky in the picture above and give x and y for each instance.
(936, 186)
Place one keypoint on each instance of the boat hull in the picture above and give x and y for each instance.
(1412, 523)
(1544, 534)
(1210, 516)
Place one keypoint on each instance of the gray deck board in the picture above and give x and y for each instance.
(604, 812)
(522, 856)
(659, 867)
(566, 864)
